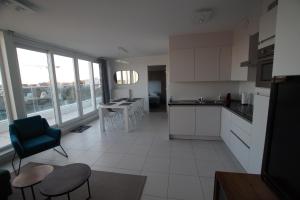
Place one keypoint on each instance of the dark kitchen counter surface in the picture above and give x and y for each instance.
(244, 111)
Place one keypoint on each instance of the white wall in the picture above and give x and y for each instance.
(139, 64)
(287, 45)
(209, 90)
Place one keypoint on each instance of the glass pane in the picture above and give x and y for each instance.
(65, 77)
(4, 135)
(119, 77)
(126, 77)
(36, 84)
(97, 81)
(85, 86)
(135, 77)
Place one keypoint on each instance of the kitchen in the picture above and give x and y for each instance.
(222, 92)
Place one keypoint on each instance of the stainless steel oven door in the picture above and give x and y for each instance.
(264, 72)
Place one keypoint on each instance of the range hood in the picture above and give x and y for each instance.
(253, 49)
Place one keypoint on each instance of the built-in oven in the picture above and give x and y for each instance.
(265, 66)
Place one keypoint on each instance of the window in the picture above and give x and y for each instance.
(85, 85)
(97, 83)
(126, 77)
(4, 135)
(65, 77)
(36, 84)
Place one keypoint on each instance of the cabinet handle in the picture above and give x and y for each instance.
(269, 38)
(261, 94)
(233, 133)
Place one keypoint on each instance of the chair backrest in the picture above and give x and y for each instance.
(118, 93)
(30, 127)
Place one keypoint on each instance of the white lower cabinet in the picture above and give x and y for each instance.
(260, 118)
(240, 150)
(195, 121)
(182, 120)
(236, 132)
(225, 126)
(208, 120)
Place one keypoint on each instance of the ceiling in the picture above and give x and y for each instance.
(100, 27)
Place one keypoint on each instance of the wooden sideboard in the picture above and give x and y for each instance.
(241, 186)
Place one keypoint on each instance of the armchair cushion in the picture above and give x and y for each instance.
(38, 144)
(30, 127)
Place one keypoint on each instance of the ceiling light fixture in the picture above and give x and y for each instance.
(20, 5)
(202, 16)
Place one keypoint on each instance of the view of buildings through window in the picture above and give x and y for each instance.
(97, 83)
(38, 91)
(4, 137)
(34, 71)
(66, 86)
(85, 78)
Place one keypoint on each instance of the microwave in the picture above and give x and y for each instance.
(265, 66)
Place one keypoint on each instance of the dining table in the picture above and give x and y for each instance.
(118, 104)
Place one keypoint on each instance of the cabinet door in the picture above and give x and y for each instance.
(208, 120)
(267, 28)
(225, 63)
(225, 125)
(182, 65)
(260, 117)
(207, 64)
(182, 120)
(240, 53)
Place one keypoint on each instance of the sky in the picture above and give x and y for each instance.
(34, 67)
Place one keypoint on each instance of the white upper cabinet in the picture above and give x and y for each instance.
(267, 28)
(183, 65)
(225, 63)
(207, 64)
(200, 57)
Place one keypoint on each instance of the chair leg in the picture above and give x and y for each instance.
(13, 166)
(64, 153)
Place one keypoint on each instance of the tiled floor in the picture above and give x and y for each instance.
(176, 169)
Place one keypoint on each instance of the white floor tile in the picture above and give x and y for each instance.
(131, 162)
(157, 164)
(156, 185)
(185, 187)
(183, 166)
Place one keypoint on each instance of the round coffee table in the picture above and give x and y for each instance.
(31, 177)
(64, 180)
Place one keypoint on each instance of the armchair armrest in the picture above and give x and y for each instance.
(15, 140)
(53, 132)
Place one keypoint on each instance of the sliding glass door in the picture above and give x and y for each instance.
(34, 71)
(4, 135)
(66, 87)
(86, 85)
(97, 83)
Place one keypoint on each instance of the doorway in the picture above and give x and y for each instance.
(157, 88)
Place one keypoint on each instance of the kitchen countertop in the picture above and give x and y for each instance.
(244, 111)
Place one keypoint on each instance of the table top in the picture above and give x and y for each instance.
(65, 179)
(119, 103)
(32, 176)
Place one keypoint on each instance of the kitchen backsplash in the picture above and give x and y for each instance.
(209, 90)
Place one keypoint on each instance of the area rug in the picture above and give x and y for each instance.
(104, 186)
(80, 129)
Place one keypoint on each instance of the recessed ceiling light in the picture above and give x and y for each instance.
(202, 16)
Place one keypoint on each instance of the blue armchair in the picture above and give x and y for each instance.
(33, 135)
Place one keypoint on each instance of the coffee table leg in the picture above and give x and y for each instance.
(23, 195)
(88, 183)
(69, 196)
(32, 191)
